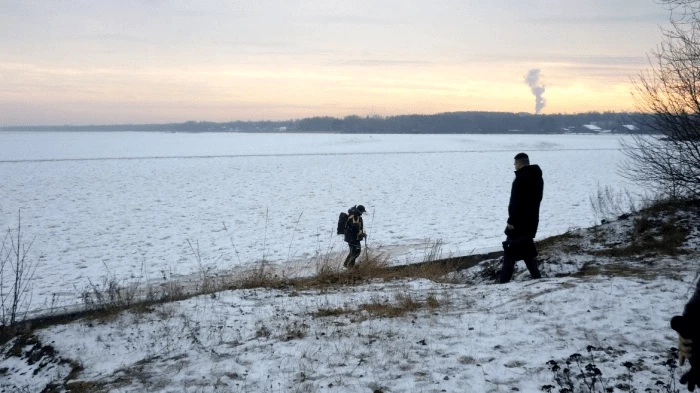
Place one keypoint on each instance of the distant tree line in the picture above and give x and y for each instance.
(443, 123)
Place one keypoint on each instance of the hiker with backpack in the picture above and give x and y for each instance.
(523, 218)
(354, 232)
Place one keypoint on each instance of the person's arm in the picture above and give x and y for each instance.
(692, 308)
(688, 328)
(515, 208)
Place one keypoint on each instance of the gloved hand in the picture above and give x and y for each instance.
(685, 349)
(509, 230)
(692, 377)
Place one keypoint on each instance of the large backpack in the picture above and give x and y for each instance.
(342, 222)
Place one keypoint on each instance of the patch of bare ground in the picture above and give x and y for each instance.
(568, 241)
(617, 270)
(652, 235)
(27, 348)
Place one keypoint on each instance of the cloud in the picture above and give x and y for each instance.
(598, 19)
(602, 60)
(113, 37)
(384, 62)
(357, 20)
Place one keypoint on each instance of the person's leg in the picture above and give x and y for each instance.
(349, 257)
(355, 251)
(506, 269)
(531, 264)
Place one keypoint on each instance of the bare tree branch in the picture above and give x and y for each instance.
(668, 96)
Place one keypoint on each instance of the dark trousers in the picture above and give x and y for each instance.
(510, 257)
(355, 251)
(509, 265)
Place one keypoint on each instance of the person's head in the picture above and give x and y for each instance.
(521, 161)
(360, 209)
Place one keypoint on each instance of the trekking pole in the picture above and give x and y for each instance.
(366, 254)
(372, 225)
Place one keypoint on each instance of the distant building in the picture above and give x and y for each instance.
(592, 128)
(586, 129)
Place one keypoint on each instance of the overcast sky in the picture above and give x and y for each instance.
(155, 61)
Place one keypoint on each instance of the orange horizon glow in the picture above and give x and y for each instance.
(166, 62)
(267, 93)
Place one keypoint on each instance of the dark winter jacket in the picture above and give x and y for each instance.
(691, 314)
(354, 229)
(525, 198)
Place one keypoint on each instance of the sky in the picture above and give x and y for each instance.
(84, 62)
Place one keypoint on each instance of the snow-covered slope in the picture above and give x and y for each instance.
(608, 295)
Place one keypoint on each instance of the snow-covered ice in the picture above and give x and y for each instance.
(126, 204)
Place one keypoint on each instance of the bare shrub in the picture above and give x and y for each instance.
(207, 270)
(608, 203)
(432, 250)
(168, 290)
(110, 293)
(326, 262)
(17, 268)
(667, 94)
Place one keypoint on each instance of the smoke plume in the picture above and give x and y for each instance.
(533, 80)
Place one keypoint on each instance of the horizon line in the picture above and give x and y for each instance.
(311, 117)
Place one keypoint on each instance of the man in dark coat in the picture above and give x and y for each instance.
(523, 218)
(688, 328)
(354, 233)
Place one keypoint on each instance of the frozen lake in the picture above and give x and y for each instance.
(127, 203)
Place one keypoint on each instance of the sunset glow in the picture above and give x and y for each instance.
(154, 61)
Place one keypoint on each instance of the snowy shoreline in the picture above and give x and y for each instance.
(402, 335)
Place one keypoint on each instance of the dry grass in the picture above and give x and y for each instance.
(669, 206)
(401, 305)
(331, 312)
(84, 387)
(370, 268)
(432, 302)
(548, 243)
(106, 301)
